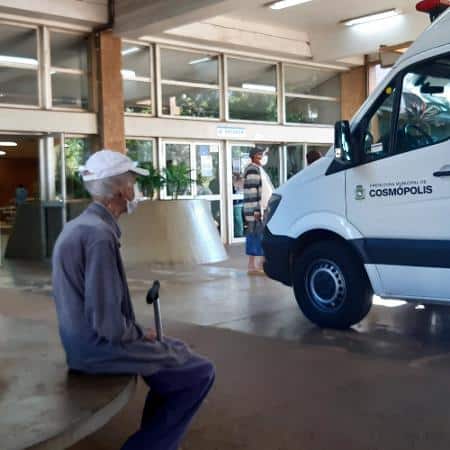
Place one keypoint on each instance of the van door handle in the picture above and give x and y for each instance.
(443, 172)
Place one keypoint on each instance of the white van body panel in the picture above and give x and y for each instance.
(308, 202)
(415, 283)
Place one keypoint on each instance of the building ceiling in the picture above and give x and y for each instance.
(317, 14)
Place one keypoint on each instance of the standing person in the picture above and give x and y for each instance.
(97, 324)
(21, 195)
(257, 192)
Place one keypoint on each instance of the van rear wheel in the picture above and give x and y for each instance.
(331, 285)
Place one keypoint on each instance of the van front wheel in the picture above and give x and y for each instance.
(331, 285)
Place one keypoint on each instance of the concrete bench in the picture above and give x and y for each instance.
(42, 405)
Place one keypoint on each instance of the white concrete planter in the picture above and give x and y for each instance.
(171, 232)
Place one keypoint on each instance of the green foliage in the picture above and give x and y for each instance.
(151, 183)
(252, 106)
(201, 104)
(178, 179)
(76, 154)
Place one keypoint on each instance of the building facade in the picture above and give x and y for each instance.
(68, 89)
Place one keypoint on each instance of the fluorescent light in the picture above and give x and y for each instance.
(2, 153)
(130, 50)
(5, 59)
(259, 87)
(287, 3)
(372, 17)
(128, 74)
(8, 144)
(201, 60)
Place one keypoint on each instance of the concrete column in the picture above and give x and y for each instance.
(353, 91)
(111, 110)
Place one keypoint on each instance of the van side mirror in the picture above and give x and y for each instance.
(342, 142)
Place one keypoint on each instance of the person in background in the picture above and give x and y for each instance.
(21, 195)
(313, 156)
(257, 192)
(97, 325)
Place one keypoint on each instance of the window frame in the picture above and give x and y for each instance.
(276, 94)
(38, 70)
(150, 80)
(62, 70)
(212, 87)
(287, 94)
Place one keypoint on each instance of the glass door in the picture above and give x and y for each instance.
(203, 161)
(239, 158)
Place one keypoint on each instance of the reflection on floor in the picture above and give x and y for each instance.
(283, 384)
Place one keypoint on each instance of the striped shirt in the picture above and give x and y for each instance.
(252, 191)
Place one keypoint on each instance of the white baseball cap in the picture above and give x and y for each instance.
(108, 163)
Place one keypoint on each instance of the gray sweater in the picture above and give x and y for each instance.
(97, 324)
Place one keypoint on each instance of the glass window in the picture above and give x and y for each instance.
(70, 90)
(312, 95)
(207, 158)
(18, 65)
(252, 93)
(69, 70)
(69, 51)
(190, 84)
(178, 65)
(137, 80)
(77, 151)
(178, 162)
(190, 101)
(376, 137)
(295, 159)
(424, 117)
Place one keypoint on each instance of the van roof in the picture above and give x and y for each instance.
(436, 35)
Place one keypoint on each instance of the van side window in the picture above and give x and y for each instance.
(376, 135)
(424, 116)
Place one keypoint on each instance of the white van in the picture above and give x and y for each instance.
(373, 215)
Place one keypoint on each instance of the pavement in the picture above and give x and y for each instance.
(282, 383)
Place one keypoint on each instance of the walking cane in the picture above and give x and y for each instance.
(153, 299)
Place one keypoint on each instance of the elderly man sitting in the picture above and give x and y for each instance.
(97, 324)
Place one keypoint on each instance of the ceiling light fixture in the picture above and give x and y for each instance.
(282, 4)
(129, 51)
(2, 153)
(259, 87)
(371, 17)
(8, 144)
(201, 60)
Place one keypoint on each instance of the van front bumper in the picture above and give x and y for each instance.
(277, 253)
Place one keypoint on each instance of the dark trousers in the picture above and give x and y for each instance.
(175, 396)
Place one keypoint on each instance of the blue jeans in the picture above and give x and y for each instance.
(175, 396)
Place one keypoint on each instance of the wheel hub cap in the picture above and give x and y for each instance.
(326, 285)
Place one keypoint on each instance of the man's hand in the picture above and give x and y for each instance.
(150, 335)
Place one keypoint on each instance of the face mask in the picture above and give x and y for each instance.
(133, 204)
(264, 160)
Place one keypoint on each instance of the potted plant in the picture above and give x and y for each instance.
(178, 179)
(153, 182)
(175, 231)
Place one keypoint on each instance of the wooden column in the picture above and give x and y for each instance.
(111, 109)
(353, 91)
